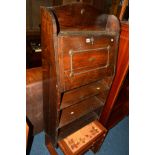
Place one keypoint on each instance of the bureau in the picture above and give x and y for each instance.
(79, 55)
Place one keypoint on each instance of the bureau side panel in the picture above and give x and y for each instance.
(50, 89)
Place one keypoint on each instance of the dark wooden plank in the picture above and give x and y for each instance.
(34, 98)
(33, 75)
(74, 112)
(82, 78)
(99, 41)
(50, 82)
(76, 95)
(82, 16)
(87, 59)
(76, 15)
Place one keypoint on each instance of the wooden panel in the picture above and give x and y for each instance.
(86, 77)
(86, 59)
(33, 75)
(34, 98)
(74, 112)
(88, 62)
(99, 41)
(71, 15)
(76, 95)
(51, 93)
(77, 16)
(121, 71)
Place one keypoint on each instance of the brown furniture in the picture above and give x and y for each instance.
(34, 98)
(79, 55)
(118, 110)
(89, 137)
(117, 104)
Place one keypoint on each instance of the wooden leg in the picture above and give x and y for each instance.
(49, 146)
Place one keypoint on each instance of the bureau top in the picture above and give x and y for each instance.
(77, 18)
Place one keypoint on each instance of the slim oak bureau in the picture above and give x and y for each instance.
(79, 55)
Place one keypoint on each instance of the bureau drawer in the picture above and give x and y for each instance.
(84, 139)
(86, 42)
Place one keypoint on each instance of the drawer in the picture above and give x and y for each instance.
(83, 139)
(77, 42)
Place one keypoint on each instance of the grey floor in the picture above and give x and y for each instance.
(116, 142)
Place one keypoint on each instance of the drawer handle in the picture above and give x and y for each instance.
(71, 53)
(72, 112)
(112, 40)
(98, 88)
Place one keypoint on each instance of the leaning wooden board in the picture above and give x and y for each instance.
(90, 136)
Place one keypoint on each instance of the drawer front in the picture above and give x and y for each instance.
(83, 139)
(85, 60)
(86, 42)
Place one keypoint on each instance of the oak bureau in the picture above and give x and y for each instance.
(79, 55)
